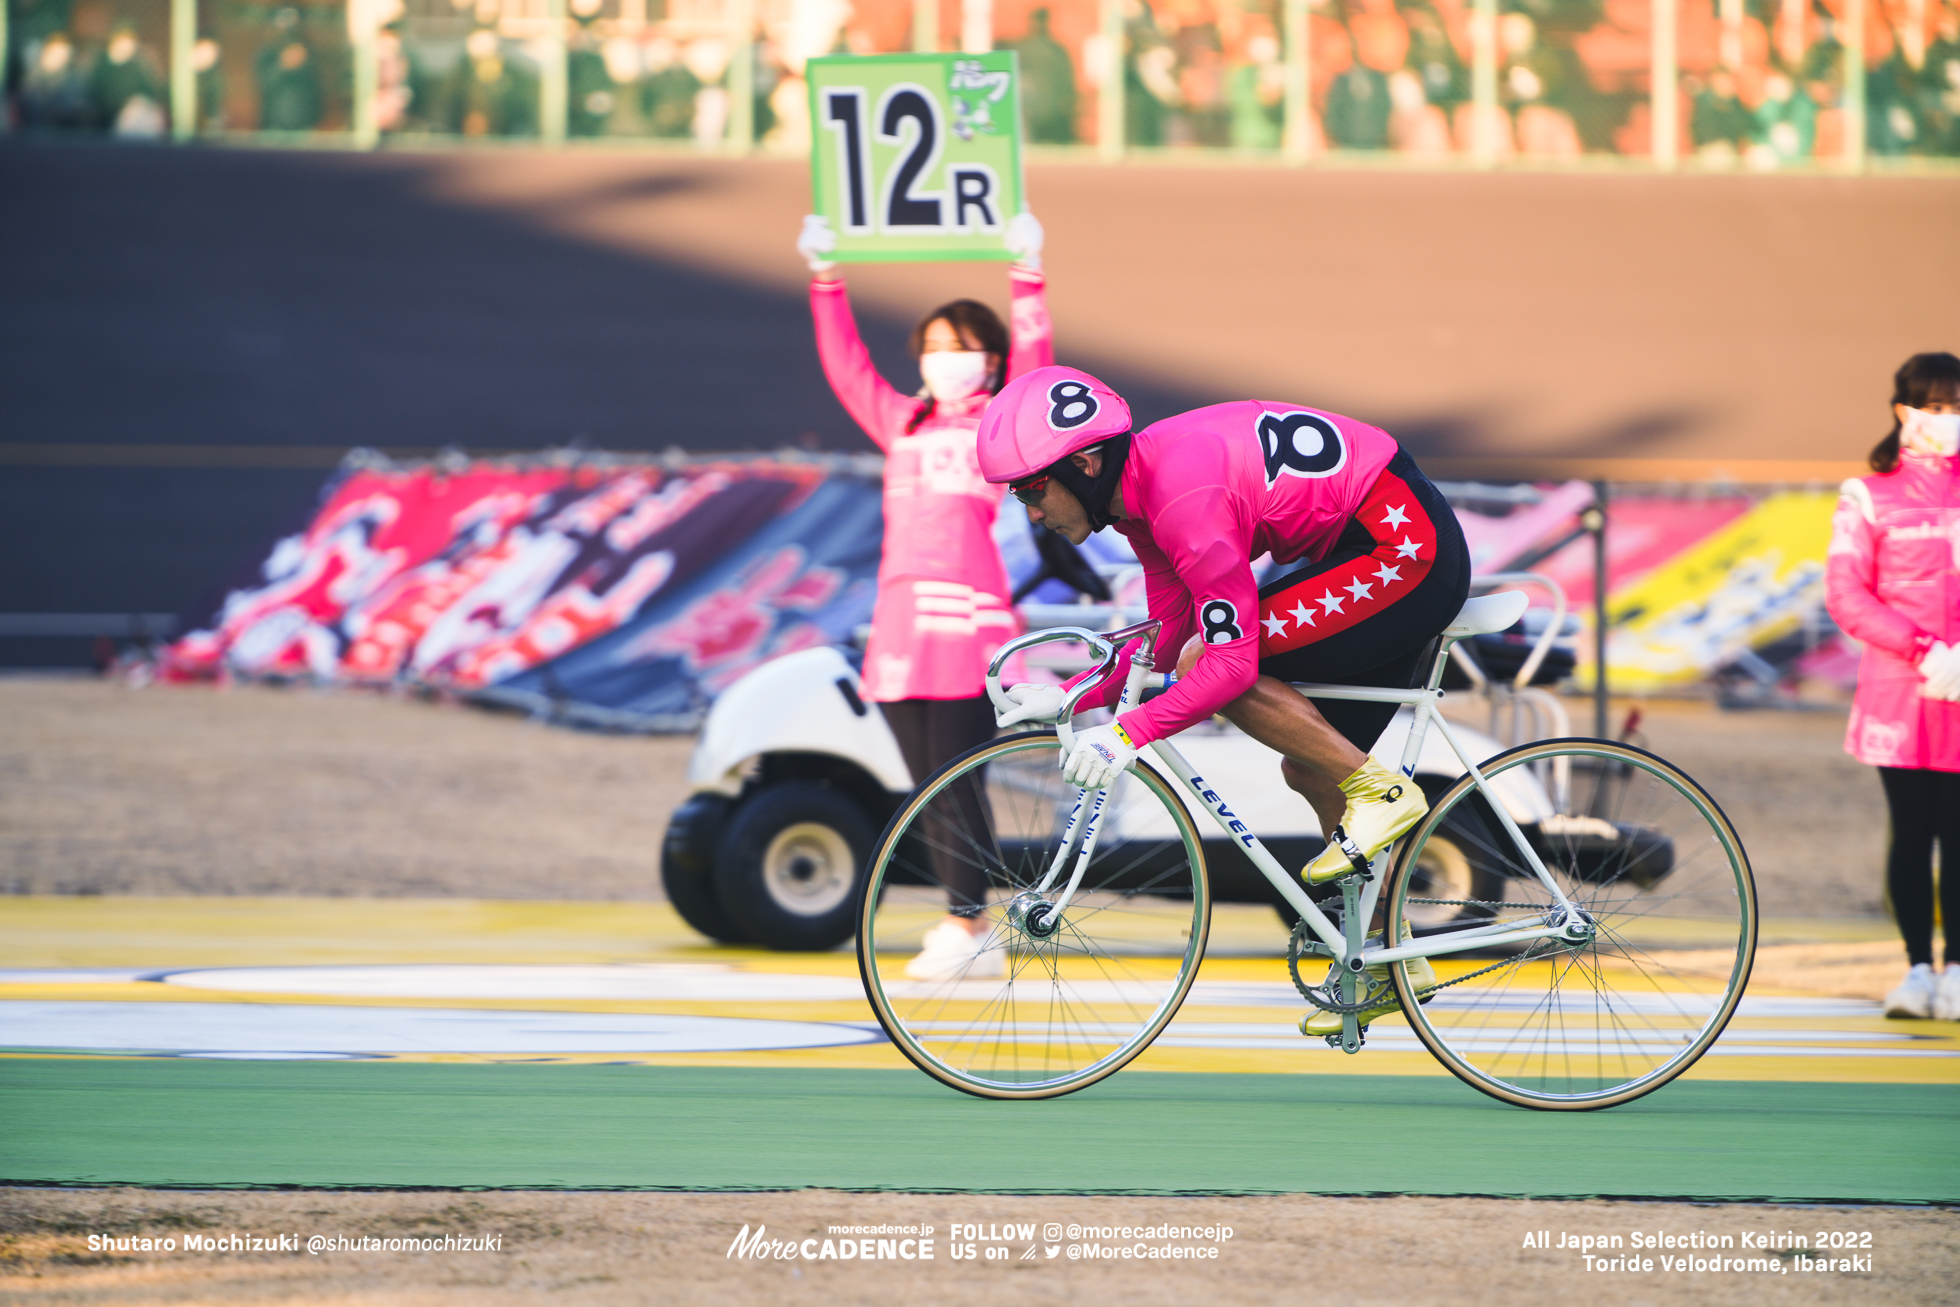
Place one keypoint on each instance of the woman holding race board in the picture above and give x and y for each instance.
(1894, 584)
(943, 604)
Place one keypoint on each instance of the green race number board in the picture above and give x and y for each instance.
(916, 157)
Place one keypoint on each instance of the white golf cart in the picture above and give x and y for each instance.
(796, 773)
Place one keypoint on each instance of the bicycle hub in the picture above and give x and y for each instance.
(1033, 914)
(1579, 926)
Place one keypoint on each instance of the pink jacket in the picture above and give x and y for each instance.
(942, 605)
(1205, 493)
(1893, 582)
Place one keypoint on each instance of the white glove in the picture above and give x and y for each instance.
(1941, 668)
(815, 241)
(1039, 703)
(1101, 754)
(1024, 239)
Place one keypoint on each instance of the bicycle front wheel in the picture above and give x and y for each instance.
(1670, 905)
(1046, 1005)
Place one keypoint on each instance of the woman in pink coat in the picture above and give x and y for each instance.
(943, 596)
(1894, 584)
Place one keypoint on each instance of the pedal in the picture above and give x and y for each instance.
(1353, 853)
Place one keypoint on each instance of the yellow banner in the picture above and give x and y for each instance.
(1743, 587)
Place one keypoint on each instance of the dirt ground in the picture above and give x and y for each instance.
(605, 1248)
(109, 790)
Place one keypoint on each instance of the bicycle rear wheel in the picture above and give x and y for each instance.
(1650, 859)
(1043, 1009)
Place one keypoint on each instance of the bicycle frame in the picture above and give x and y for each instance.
(1345, 945)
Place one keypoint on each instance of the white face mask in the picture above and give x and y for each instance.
(955, 374)
(1931, 433)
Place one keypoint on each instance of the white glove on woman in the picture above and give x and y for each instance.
(1039, 703)
(1101, 754)
(1024, 240)
(815, 241)
(1941, 668)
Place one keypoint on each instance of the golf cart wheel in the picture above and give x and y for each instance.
(789, 866)
(687, 866)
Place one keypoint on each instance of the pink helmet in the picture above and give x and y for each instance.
(1043, 416)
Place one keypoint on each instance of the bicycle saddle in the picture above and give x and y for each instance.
(1487, 614)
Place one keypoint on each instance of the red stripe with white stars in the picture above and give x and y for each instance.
(1334, 600)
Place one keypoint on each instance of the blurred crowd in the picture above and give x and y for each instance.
(86, 65)
(1761, 81)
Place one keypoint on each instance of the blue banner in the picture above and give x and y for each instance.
(803, 579)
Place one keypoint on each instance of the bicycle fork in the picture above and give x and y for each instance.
(1032, 910)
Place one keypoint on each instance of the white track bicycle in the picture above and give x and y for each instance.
(1612, 960)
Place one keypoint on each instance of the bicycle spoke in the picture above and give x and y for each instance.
(1034, 1014)
(1578, 1023)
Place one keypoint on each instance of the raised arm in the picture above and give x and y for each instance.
(1033, 332)
(867, 397)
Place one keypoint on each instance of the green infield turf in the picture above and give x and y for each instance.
(169, 1122)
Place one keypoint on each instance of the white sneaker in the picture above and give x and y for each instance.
(1946, 999)
(951, 952)
(1914, 996)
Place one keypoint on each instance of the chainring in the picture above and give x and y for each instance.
(1326, 995)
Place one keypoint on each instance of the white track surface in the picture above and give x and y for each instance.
(370, 1024)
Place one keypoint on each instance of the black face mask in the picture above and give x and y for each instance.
(1094, 493)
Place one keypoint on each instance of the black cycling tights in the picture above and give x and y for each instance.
(931, 733)
(1924, 804)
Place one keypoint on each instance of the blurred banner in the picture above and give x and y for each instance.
(619, 595)
(626, 594)
(1723, 601)
(1646, 531)
(916, 157)
(803, 578)
(1721, 591)
(1719, 83)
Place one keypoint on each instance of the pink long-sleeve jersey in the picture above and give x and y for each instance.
(1205, 493)
(942, 605)
(1892, 581)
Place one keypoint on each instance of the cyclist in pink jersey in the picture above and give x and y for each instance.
(943, 595)
(1200, 496)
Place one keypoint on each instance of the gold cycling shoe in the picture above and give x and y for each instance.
(1382, 807)
(1322, 1022)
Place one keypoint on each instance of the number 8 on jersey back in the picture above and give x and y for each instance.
(916, 157)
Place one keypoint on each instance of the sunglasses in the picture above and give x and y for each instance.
(1031, 491)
